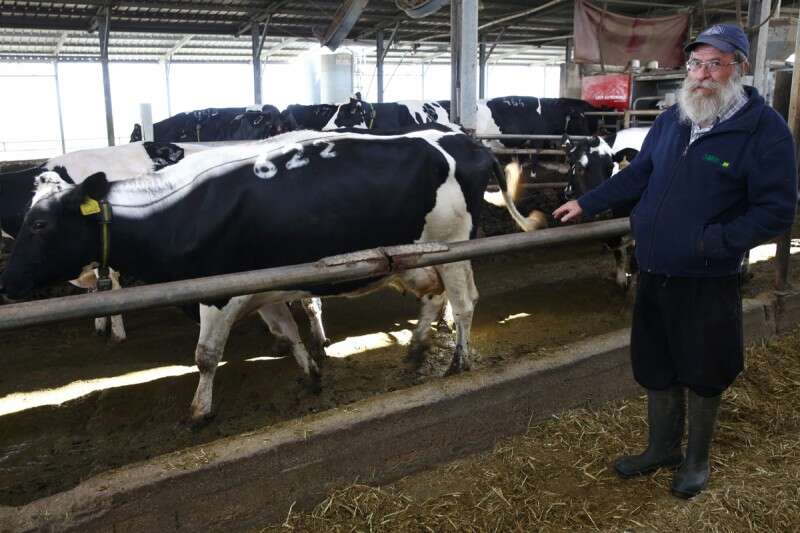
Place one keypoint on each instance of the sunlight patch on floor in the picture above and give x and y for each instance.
(20, 401)
(373, 341)
(509, 318)
(263, 358)
(766, 252)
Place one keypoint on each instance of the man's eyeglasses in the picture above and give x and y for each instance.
(713, 65)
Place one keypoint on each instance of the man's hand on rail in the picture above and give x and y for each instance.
(568, 211)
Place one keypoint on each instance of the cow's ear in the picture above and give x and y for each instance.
(95, 186)
(358, 95)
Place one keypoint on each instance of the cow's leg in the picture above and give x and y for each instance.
(621, 259)
(313, 309)
(425, 284)
(215, 327)
(117, 325)
(281, 323)
(463, 295)
(88, 281)
(431, 308)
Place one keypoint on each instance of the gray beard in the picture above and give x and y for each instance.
(701, 109)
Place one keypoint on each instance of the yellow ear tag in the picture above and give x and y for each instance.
(90, 207)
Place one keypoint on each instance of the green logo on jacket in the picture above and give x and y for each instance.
(711, 158)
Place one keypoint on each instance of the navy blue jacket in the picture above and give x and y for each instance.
(702, 206)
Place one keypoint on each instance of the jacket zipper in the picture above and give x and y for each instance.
(663, 198)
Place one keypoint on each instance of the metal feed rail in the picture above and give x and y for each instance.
(356, 265)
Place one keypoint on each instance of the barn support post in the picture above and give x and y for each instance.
(146, 118)
(482, 68)
(469, 64)
(103, 31)
(784, 242)
(379, 63)
(259, 35)
(167, 64)
(760, 70)
(58, 106)
(455, 61)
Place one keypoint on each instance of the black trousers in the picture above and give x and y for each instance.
(687, 331)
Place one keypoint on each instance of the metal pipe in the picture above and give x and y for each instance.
(103, 33)
(58, 103)
(379, 56)
(482, 68)
(167, 63)
(257, 37)
(509, 136)
(358, 265)
(521, 14)
(545, 185)
(527, 151)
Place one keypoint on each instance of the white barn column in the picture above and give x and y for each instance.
(258, 37)
(167, 64)
(482, 69)
(760, 69)
(455, 61)
(468, 64)
(146, 118)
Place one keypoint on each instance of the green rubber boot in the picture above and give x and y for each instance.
(665, 416)
(692, 477)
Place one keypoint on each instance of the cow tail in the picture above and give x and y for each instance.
(502, 180)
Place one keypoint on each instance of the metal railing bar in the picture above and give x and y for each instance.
(358, 265)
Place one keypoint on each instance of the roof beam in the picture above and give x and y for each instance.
(60, 43)
(177, 46)
(521, 14)
(260, 16)
(280, 46)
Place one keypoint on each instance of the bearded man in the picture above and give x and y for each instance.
(716, 176)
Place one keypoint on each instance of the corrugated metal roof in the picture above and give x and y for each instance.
(220, 31)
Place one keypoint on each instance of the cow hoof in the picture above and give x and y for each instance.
(318, 351)
(417, 352)
(114, 340)
(197, 423)
(454, 369)
(460, 362)
(312, 384)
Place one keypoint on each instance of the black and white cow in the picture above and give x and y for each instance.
(591, 163)
(530, 115)
(293, 199)
(625, 144)
(117, 163)
(364, 115)
(218, 124)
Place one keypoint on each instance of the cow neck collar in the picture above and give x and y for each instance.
(364, 115)
(103, 279)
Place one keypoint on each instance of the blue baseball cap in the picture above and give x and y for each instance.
(724, 37)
